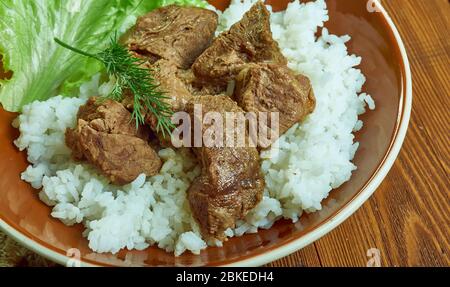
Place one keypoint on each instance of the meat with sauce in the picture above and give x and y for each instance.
(106, 137)
(231, 183)
(248, 41)
(175, 33)
(275, 88)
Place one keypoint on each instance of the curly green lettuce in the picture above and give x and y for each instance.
(41, 68)
(148, 5)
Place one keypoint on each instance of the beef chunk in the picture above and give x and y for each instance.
(176, 91)
(231, 183)
(275, 88)
(175, 33)
(249, 40)
(196, 87)
(167, 76)
(106, 137)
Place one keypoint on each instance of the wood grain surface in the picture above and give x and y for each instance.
(408, 218)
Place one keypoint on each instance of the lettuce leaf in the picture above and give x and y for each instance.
(40, 67)
(196, 3)
(148, 5)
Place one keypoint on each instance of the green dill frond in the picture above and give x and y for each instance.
(131, 76)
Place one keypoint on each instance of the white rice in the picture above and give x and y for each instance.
(311, 159)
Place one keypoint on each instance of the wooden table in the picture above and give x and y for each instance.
(408, 218)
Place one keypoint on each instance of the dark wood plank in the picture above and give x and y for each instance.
(408, 218)
(307, 257)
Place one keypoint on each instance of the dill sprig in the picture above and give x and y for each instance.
(131, 76)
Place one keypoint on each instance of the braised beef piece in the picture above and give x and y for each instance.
(249, 40)
(175, 33)
(275, 88)
(167, 75)
(106, 138)
(231, 183)
(196, 87)
(177, 93)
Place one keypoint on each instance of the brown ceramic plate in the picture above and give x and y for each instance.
(385, 64)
